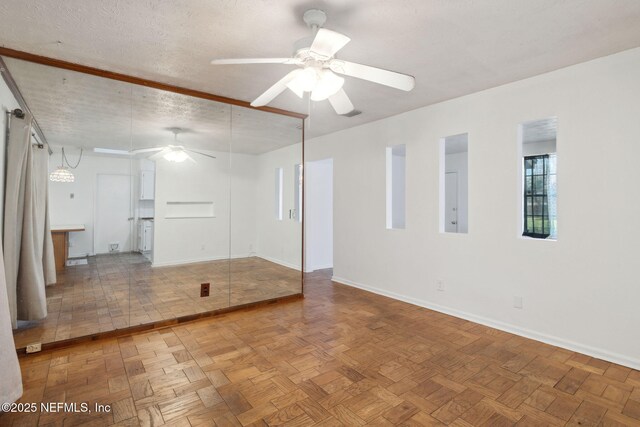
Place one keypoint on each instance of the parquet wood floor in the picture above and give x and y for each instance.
(341, 356)
(122, 290)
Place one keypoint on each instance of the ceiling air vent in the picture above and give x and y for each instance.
(352, 113)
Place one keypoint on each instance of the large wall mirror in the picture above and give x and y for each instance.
(179, 205)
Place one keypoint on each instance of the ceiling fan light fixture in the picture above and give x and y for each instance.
(315, 57)
(329, 84)
(305, 81)
(176, 155)
(61, 174)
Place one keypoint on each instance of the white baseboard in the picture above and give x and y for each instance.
(318, 267)
(279, 262)
(81, 254)
(197, 260)
(599, 353)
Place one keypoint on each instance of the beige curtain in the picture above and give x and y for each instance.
(11, 383)
(28, 249)
(41, 172)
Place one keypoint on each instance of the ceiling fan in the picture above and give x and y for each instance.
(172, 153)
(318, 68)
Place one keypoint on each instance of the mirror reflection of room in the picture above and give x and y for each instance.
(160, 205)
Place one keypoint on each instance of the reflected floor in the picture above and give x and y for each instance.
(122, 290)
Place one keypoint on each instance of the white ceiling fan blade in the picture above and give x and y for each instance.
(189, 157)
(373, 74)
(146, 150)
(200, 152)
(341, 102)
(275, 90)
(232, 61)
(111, 151)
(327, 43)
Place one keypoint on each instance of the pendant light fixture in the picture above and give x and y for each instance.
(63, 174)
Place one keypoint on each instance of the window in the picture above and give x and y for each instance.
(297, 196)
(539, 196)
(279, 202)
(454, 184)
(539, 179)
(396, 161)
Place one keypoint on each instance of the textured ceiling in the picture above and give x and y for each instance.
(75, 109)
(452, 47)
(540, 130)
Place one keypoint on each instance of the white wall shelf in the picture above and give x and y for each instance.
(183, 210)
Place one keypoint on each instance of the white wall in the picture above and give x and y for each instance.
(233, 229)
(588, 298)
(7, 103)
(184, 240)
(278, 241)
(244, 175)
(318, 220)
(458, 163)
(81, 208)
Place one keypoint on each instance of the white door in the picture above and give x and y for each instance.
(451, 202)
(113, 217)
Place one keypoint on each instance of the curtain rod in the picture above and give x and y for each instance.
(20, 114)
(13, 87)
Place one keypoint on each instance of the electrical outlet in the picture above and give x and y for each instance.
(517, 302)
(34, 348)
(204, 289)
(440, 285)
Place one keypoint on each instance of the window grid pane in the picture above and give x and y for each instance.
(536, 203)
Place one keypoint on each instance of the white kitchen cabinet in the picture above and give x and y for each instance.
(147, 185)
(145, 235)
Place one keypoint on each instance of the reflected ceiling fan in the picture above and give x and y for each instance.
(318, 68)
(172, 153)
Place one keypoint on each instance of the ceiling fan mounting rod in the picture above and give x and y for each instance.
(315, 19)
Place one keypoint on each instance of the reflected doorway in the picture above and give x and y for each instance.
(113, 214)
(319, 215)
(451, 202)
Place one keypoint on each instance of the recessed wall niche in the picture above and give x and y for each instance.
(396, 159)
(537, 145)
(454, 184)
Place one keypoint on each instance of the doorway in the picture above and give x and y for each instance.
(113, 216)
(319, 215)
(451, 202)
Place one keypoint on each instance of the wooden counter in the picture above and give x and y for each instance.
(60, 236)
